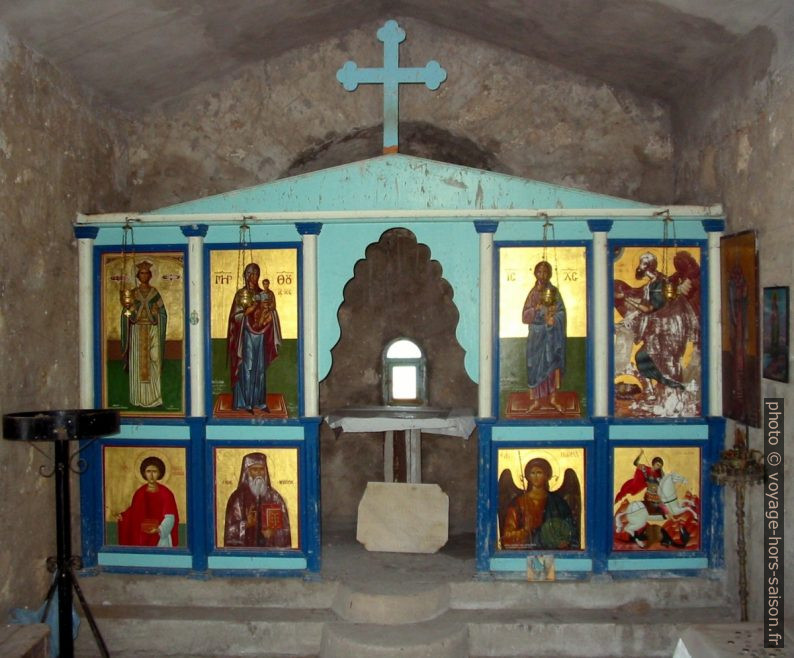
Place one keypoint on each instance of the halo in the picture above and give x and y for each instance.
(144, 452)
(525, 455)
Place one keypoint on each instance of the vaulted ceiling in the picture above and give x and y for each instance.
(135, 53)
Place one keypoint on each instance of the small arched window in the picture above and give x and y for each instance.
(403, 373)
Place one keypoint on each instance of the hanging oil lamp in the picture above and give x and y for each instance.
(668, 289)
(244, 297)
(548, 296)
(126, 291)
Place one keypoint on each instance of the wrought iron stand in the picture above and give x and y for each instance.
(60, 427)
(739, 468)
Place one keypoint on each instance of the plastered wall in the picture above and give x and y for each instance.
(735, 142)
(58, 154)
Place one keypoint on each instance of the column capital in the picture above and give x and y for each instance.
(309, 228)
(195, 231)
(486, 225)
(86, 232)
(713, 225)
(599, 225)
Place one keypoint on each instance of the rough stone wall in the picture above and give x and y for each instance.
(58, 155)
(537, 121)
(399, 279)
(735, 144)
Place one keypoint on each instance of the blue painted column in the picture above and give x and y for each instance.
(312, 508)
(201, 530)
(715, 495)
(85, 285)
(600, 339)
(311, 386)
(599, 496)
(196, 320)
(486, 533)
(486, 229)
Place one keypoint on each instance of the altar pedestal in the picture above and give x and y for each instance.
(413, 421)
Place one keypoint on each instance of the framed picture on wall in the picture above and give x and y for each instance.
(776, 334)
(541, 499)
(142, 309)
(254, 332)
(741, 350)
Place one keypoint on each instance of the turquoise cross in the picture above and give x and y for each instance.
(391, 76)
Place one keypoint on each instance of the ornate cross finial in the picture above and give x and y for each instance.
(391, 76)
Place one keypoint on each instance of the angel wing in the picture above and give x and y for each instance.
(571, 492)
(507, 494)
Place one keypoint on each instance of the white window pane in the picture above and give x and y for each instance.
(403, 349)
(403, 382)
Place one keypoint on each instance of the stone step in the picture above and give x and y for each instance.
(581, 632)
(376, 604)
(487, 592)
(205, 631)
(256, 631)
(395, 609)
(171, 590)
(421, 640)
(595, 592)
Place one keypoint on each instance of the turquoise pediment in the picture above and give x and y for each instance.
(399, 182)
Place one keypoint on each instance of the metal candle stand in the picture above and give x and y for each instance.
(739, 467)
(60, 427)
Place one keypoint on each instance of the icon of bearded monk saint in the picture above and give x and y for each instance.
(256, 514)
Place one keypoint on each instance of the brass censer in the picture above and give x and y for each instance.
(668, 290)
(127, 299)
(126, 293)
(245, 297)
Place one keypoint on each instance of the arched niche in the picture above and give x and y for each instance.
(397, 290)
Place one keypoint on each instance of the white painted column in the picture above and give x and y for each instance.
(486, 230)
(714, 228)
(600, 339)
(311, 386)
(196, 321)
(85, 303)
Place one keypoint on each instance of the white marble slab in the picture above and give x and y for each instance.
(403, 518)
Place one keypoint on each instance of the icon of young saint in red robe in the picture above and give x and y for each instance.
(152, 519)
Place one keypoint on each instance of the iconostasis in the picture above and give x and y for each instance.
(209, 328)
